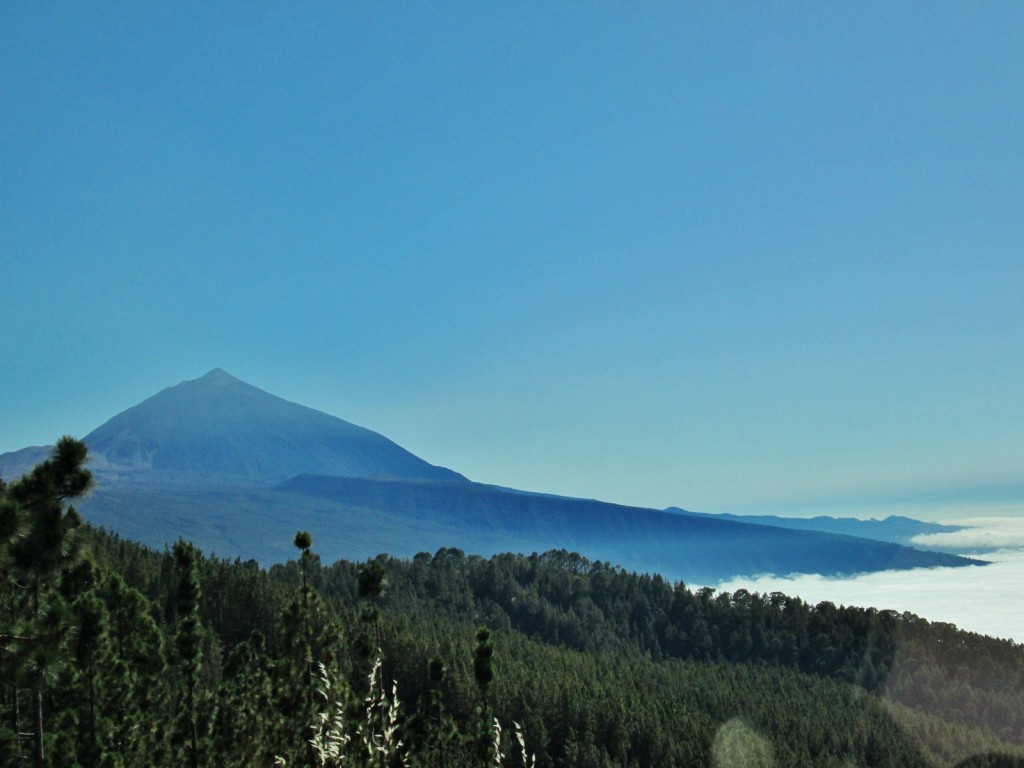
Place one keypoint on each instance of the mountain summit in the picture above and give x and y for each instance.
(218, 430)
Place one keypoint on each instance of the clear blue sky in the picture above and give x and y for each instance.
(727, 256)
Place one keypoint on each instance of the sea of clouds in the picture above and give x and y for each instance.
(985, 599)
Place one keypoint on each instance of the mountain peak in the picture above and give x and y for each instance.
(218, 376)
(218, 429)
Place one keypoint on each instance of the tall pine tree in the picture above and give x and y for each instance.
(188, 647)
(38, 547)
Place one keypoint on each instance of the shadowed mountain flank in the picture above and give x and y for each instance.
(703, 549)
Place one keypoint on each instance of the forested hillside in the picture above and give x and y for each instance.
(117, 655)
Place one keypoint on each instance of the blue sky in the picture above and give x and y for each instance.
(728, 256)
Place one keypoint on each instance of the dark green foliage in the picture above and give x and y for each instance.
(244, 727)
(482, 656)
(137, 696)
(600, 666)
(992, 761)
(483, 673)
(188, 644)
(563, 598)
(611, 701)
(303, 540)
(39, 550)
(371, 580)
(308, 635)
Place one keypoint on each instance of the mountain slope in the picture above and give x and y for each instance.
(358, 518)
(218, 430)
(698, 549)
(17, 463)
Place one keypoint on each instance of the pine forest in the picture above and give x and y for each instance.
(115, 655)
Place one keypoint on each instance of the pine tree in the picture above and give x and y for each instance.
(12, 528)
(484, 673)
(134, 682)
(39, 546)
(188, 647)
(440, 735)
(308, 638)
(242, 729)
(86, 679)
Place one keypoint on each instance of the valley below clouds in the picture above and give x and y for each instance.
(985, 599)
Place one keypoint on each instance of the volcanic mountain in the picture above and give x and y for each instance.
(238, 470)
(218, 430)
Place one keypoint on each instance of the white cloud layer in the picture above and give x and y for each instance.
(984, 599)
(984, 533)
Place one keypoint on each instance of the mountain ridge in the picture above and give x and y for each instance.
(238, 470)
(896, 529)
